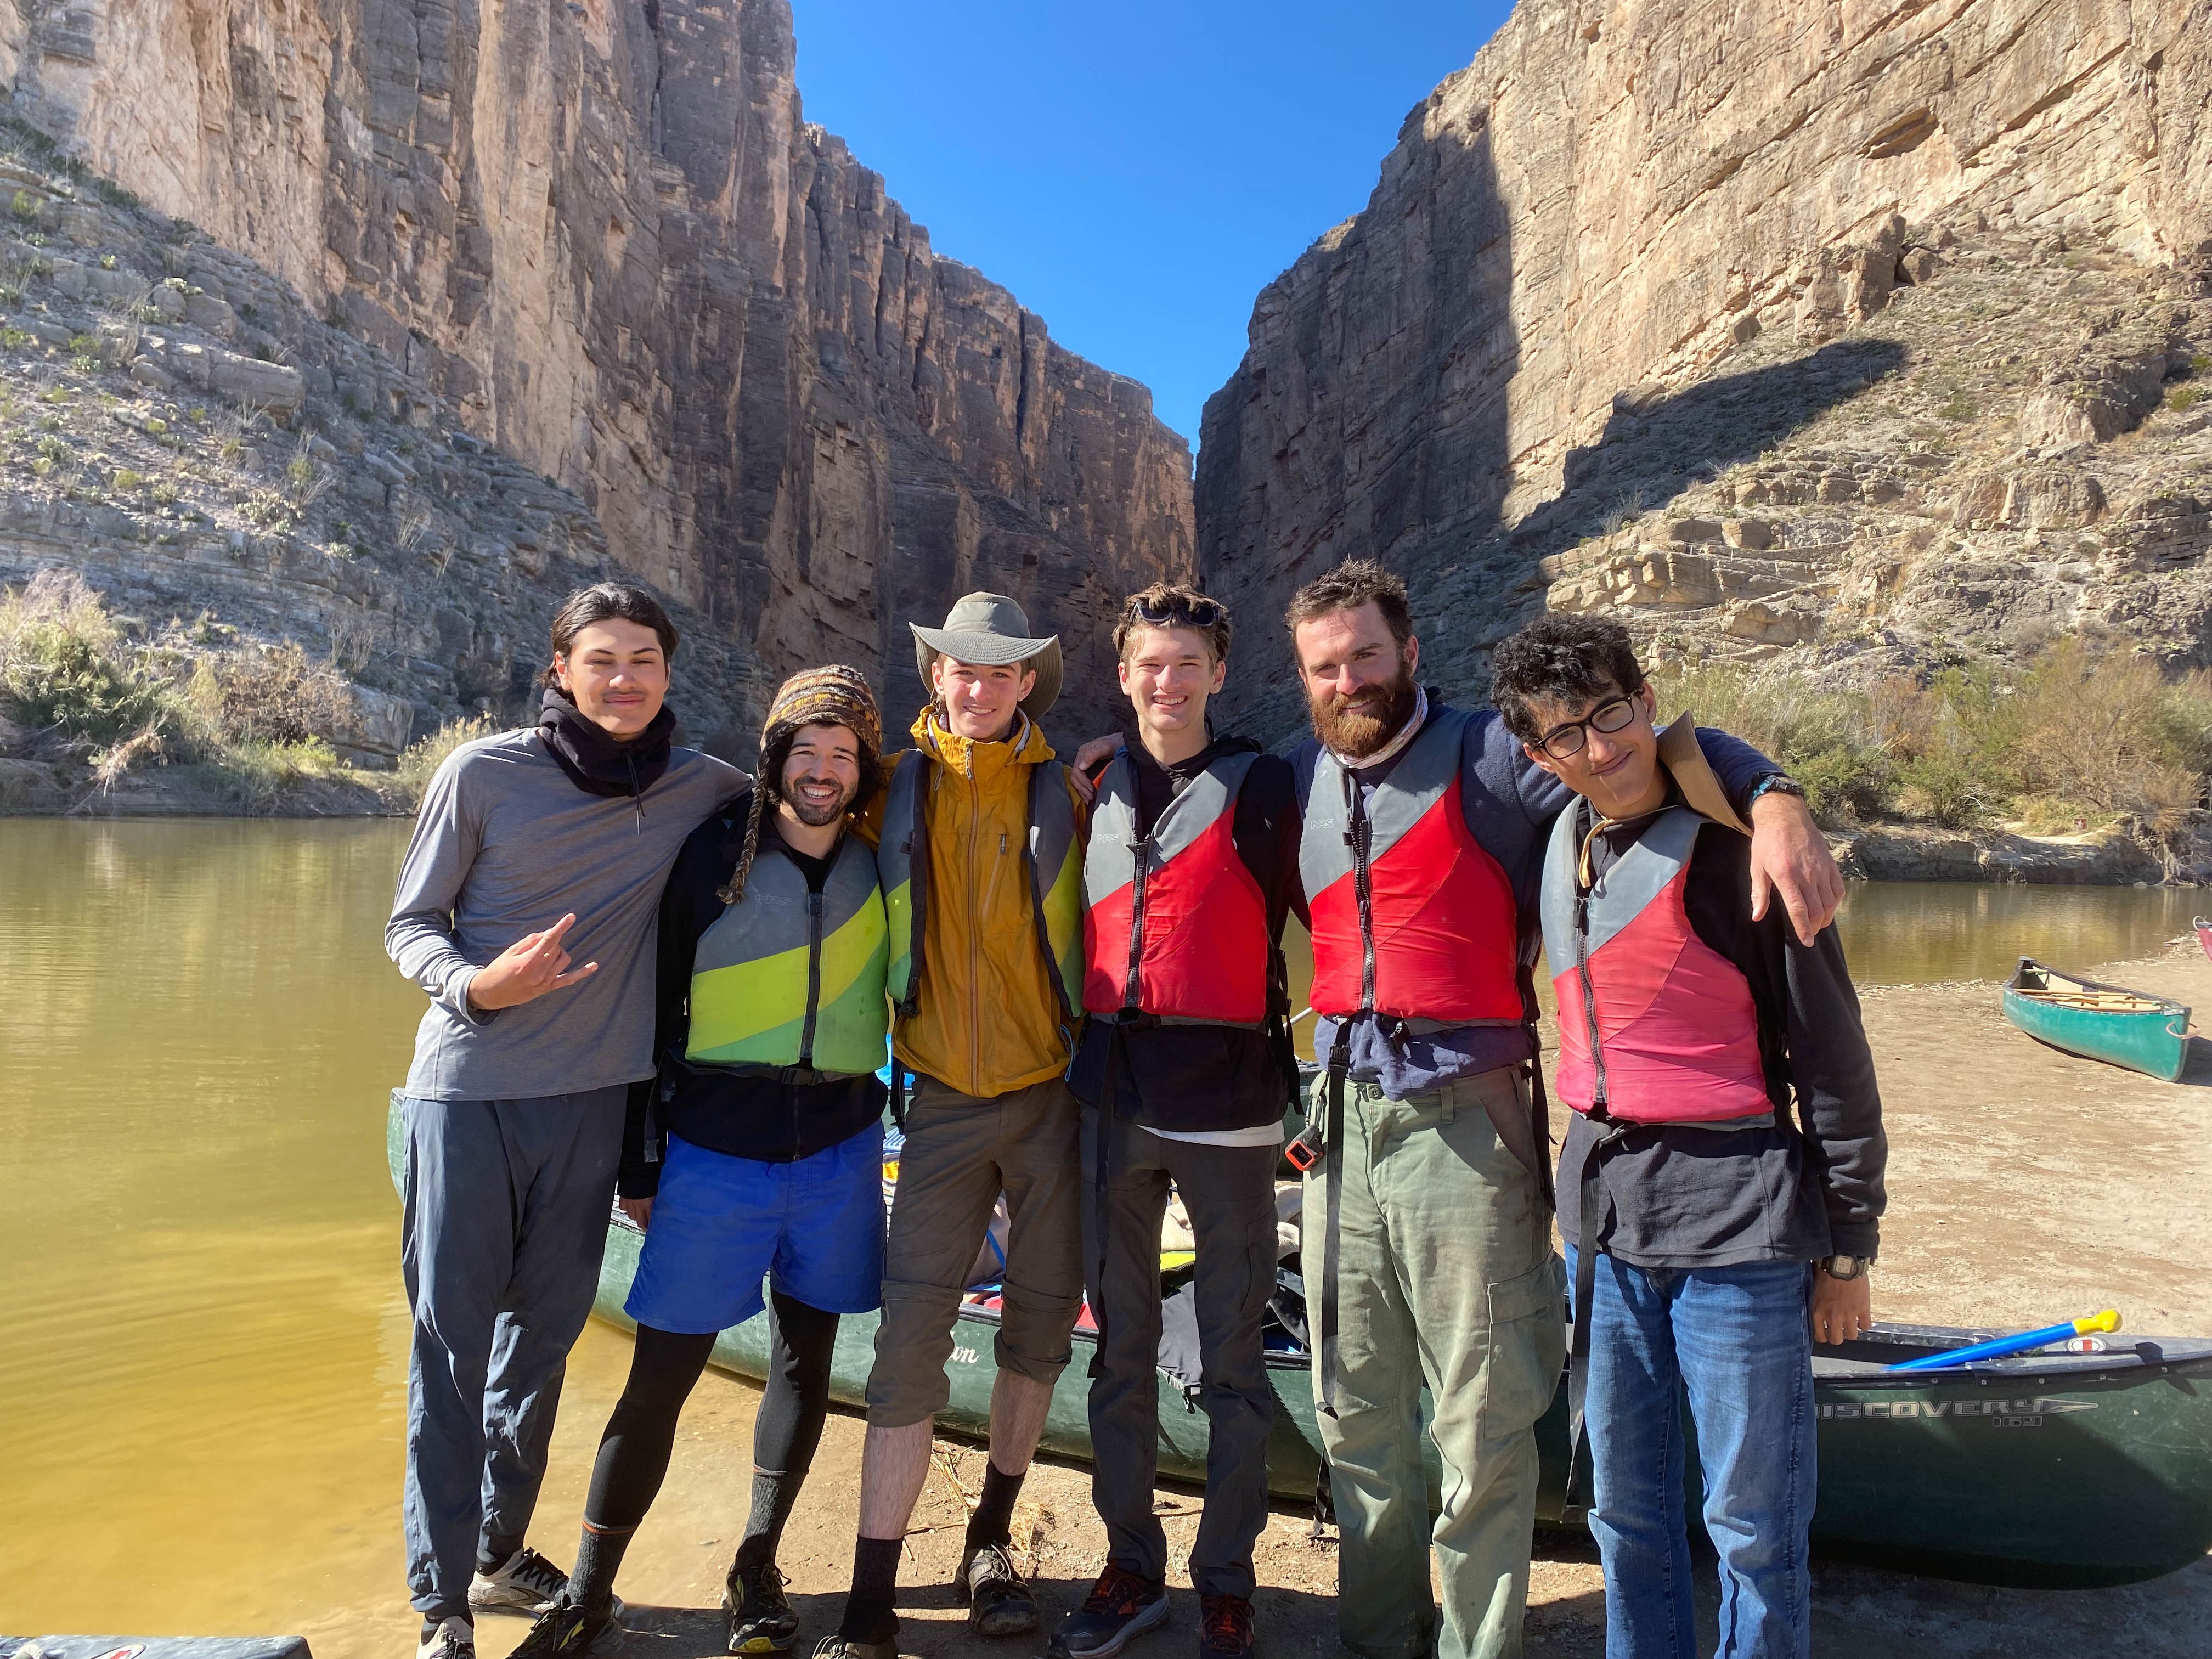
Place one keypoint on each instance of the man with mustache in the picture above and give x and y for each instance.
(1428, 1238)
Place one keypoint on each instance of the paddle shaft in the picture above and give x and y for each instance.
(2000, 1346)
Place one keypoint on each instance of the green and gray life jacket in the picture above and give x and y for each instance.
(1056, 865)
(787, 979)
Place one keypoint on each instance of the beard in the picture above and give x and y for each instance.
(1359, 734)
(815, 814)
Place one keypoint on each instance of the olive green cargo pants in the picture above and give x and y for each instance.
(1445, 1273)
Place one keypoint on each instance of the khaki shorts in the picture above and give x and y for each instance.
(961, 1152)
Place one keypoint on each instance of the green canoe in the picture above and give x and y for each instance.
(2110, 1023)
(2068, 1470)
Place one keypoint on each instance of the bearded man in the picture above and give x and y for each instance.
(1428, 1212)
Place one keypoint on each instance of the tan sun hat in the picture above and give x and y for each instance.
(1679, 754)
(990, 629)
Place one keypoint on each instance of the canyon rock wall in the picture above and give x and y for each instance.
(1612, 203)
(604, 233)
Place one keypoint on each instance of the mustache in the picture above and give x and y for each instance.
(1361, 731)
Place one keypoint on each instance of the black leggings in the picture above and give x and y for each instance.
(634, 1451)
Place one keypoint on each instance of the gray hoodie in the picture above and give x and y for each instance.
(505, 845)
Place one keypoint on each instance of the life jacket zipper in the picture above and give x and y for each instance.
(1590, 999)
(814, 906)
(1132, 987)
(1360, 836)
(974, 928)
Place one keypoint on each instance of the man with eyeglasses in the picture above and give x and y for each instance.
(1428, 1225)
(1713, 1233)
(1184, 1071)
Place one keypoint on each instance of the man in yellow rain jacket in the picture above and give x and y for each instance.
(981, 852)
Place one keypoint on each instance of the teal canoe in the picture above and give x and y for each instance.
(2053, 1469)
(2110, 1023)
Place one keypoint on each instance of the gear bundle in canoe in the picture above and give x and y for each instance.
(2052, 1469)
(2143, 1033)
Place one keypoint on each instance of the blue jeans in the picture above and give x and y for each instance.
(1737, 1340)
(506, 1218)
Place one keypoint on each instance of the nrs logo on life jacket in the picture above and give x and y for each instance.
(1417, 920)
(1655, 1024)
(1175, 925)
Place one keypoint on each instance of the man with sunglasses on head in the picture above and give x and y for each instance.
(1184, 1070)
(1427, 1241)
(1713, 1233)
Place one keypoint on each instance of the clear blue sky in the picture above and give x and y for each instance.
(1136, 171)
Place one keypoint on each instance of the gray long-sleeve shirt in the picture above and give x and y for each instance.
(505, 845)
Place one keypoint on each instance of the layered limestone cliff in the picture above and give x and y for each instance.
(603, 233)
(1634, 244)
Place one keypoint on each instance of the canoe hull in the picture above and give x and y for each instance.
(2058, 1471)
(2155, 1042)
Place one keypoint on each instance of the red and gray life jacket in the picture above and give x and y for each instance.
(1656, 1026)
(1175, 925)
(1413, 919)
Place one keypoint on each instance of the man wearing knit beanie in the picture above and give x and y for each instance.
(757, 1151)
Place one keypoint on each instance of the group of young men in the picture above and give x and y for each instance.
(651, 973)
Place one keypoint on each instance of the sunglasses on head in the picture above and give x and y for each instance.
(1195, 613)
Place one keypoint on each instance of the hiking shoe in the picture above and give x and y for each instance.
(1121, 1605)
(454, 1638)
(761, 1618)
(999, 1602)
(844, 1647)
(1224, 1627)
(562, 1632)
(525, 1583)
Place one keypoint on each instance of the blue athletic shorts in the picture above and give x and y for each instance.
(720, 1224)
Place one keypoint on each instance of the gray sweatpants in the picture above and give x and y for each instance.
(1229, 1195)
(505, 1220)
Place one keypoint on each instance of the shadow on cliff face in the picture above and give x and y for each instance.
(1469, 592)
(1654, 447)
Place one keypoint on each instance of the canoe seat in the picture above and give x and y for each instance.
(2103, 1002)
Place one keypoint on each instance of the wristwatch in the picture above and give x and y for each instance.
(1846, 1267)
(1774, 783)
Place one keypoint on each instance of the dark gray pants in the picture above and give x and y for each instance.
(1230, 1193)
(506, 1221)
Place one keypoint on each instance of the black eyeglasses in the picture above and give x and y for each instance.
(1200, 612)
(1564, 741)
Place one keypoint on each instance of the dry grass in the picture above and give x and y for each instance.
(2076, 737)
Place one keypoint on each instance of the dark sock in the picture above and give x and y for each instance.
(599, 1558)
(868, 1610)
(490, 1558)
(993, 1520)
(788, 1425)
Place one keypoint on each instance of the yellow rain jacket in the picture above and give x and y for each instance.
(988, 1020)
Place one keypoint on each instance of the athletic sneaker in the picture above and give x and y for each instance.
(454, 1638)
(562, 1632)
(1121, 1605)
(999, 1602)
(1225, 1624)
(761, 1618)
(525, 1583)
(844, 1647)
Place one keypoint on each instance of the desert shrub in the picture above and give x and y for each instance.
(2075, 736)
(421, 762)
(274, 695)
(63, 668)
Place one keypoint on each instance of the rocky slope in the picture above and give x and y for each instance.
(224, 471)
(1919, 274)
(604, 234)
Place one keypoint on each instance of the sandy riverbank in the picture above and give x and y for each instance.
(2024, 1186)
